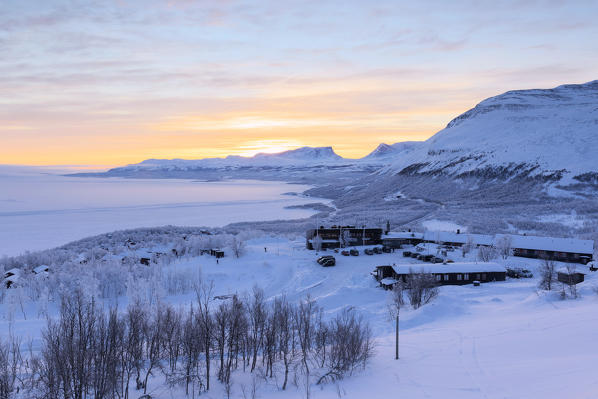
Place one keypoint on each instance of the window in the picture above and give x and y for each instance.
(459, 277)
(483, 276)
(446, 277)
(477, 276)
(438, 277)
(466, 276)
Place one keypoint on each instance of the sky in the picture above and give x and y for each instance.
(113, 82)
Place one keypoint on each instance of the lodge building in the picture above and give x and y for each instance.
(444, 274)
(342, 236)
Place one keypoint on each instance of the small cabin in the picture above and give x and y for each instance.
(41, 269)
(570, 277)
(218, 253)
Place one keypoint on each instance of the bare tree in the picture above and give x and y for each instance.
(467, 247)
(283, 314)
(486, 254)
(571, 269)
(11, 363)
(237, 246)
(203, 294)
(256, 309)
(503, 246)
(350, 345)
(422, 288)
(316, 242)
(547, 274)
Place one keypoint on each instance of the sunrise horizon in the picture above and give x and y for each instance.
(119, 82)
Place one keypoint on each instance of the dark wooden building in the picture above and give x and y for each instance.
(342, 236)
(569, 250)
(570, 277)
(444, 274)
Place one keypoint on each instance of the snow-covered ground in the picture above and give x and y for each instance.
(442, 225)
(40, 210)
(498, 340)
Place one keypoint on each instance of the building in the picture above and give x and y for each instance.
(396, 239)
(458, 239)
(559, 249)
(570, 277)
(342, 236)
(445, 274)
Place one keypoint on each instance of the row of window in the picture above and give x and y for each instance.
(460, 277)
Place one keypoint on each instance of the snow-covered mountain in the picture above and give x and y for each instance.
(386, 152)
(299, 156)
(549, 134)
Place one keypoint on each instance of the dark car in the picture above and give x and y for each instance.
(368, 251)
(428, 258)
(414, 255)
(345, 253)
(386, 249)
(354, 252)
(406, 254)
(437, 260)
(327, 260)
(377, 250)
(420, 257)
(518, 272)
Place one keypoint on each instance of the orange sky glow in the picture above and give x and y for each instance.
(113, 82)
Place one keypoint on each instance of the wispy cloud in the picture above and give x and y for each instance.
(116, 81)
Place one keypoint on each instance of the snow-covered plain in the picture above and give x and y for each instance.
(40, 210)
(499, 340)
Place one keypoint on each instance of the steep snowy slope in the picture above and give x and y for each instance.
(550, 133)
(389, 152)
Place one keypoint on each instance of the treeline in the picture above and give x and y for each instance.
(88, 352)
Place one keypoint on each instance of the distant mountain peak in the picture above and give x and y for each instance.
(391, 150)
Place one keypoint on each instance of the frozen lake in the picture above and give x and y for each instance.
(39, 211)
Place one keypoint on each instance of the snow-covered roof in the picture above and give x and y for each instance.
(449, 236)
(403, 234)
(14, 271)
(462, 267)
(40, 269)
(550, 243)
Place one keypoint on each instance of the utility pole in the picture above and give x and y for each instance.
(397, 336)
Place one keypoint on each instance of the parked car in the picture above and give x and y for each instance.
(326, 260)
(437, 260)
(428, 258)
(354, 252)
(518, 272)
(368, 251)
(414, 255)
(377, 250)
(345, 253)
(406, 254)
(386, 249)
(420, 257)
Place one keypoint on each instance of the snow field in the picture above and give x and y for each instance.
(499, 340)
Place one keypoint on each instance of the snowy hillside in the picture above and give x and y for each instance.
(390, 152)
(541, 133)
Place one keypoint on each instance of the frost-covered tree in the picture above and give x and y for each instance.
(547, 274)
